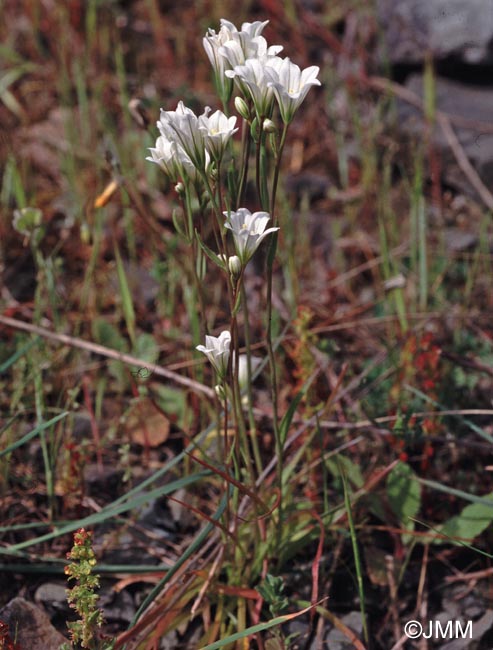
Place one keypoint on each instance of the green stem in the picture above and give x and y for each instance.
(236, 393)
(246, 142)
(251, 418)
(238, 409)
(38, 397)
(270, 350)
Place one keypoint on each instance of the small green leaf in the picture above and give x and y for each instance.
(351, 470)
(404, 492)
(106, 334)
(146, 348)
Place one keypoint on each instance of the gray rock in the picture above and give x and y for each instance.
(471, 103)
(29, 626)
(443, 27)
(117, 606)
(53, 596)
(457, 240)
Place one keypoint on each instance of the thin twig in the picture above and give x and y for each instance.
(102, 350)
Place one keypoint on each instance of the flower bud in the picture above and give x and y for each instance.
(179, 188)
(269, 126)
(220, 392)
(234, 265)
(224, 261)
(242, 108)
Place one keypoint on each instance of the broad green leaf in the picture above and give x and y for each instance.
(471, 522)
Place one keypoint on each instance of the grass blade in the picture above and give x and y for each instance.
(19, 353)
(32, 434)
(126, 296)
(357, 560)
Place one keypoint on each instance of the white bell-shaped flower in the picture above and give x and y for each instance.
(290, 86)
(216, 349)
(182, 126)
(217, 129)
(249, 230)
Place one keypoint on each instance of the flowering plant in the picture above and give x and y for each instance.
(202, 155)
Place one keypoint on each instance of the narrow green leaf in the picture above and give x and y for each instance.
(288, 416)
(177, 225)
(473, 498)
(210, 254)
(32, 434)
(126, 296)
(356, 554)
(19, 353)
(196, 544)
(110, 511)
(249, 631)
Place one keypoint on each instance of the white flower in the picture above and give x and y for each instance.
(252, 77)
(250, 30)
(182, 126)
(216, 349)
(173, 160)
(239, 49)
(164, 155)
(248, 231)
(217, 130)
(291, 86)
(247, 43)
(212, 43)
